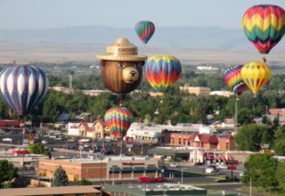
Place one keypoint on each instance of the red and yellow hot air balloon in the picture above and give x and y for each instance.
(118, 120)
(255, 75)
(162, 72)
(264, 26)
(234, 80)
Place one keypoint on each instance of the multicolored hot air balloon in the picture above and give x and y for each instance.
(264, 26)
(162, 72)
(118, 120)
(234, 80)
(255, 75)
(22, 87)
(145, 30)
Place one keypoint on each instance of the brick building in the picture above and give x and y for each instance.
(105, 168)
(206, 141)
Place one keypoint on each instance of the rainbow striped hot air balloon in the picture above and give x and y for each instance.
(264, 26)
(145, 30)
(118, 120)
(234, 80)
(255, 75)
(162, 72)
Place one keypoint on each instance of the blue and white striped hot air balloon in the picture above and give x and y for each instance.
(22, 87)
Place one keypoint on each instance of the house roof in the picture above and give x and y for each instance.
(277, 111)
(205, 138)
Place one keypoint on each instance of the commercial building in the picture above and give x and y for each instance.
(103, 168)
(195, 90)
(223, 141)
(49, 191)
(154, 190)
(152, 133)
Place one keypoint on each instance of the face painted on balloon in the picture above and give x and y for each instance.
(122, 76)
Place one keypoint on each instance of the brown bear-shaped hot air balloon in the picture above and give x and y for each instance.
(121, 67)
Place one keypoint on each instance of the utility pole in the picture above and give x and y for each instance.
(236, 111)
(250, 187)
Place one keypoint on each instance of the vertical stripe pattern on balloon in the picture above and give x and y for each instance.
(22, 87)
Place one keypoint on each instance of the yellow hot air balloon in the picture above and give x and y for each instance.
(255, 75)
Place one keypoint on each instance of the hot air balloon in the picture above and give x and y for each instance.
(162, 72)
(118, 120)
(145, 30)
(255, 75)
(22, 87)
(264, 26)
(234, 80)
(121, 67)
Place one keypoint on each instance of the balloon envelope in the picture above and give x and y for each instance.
(234, 80)
(22, 87)
(145, 30)
(162, 71)
(255, 75)
(118, 120)
(264, 26)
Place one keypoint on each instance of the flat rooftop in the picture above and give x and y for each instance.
(108, 159)
(50, 190)
(163, 186)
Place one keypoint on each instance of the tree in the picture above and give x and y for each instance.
(280, 174)
(84, 182)
(251, 136)
(60, 177)
(261, 168)
(279, 143)
(38, 149)
(7, 171)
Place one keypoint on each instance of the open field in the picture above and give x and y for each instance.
(67, 52)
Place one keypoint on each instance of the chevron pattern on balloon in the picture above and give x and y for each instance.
(264, 26)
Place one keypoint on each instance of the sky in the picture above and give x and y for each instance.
(42, 14)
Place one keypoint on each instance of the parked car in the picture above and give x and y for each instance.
(212, 170)
(44, 142)
(146, 179)
(160, 179)
(173, 165)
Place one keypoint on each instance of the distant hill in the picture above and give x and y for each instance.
(164, 37)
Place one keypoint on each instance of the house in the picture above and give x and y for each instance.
(96, 130)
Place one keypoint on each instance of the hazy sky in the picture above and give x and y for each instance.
(26, 14)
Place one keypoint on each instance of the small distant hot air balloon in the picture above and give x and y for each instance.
(234, 80)
(255, 75)
(118, 120)
(22, 87)
(145, 30)
(264, 26)
(162, 72)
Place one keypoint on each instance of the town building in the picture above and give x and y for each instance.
(50, 191)
(152, 133)
(198, 91)
(96, 130)
(222, 93)
(278, 114)
(102, 168)
(223, 141)
(154, 189)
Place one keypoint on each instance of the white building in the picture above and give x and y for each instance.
(151, 133)
(222, 93)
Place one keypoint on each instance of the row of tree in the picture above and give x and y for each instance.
(254, 137)
(266, 172)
